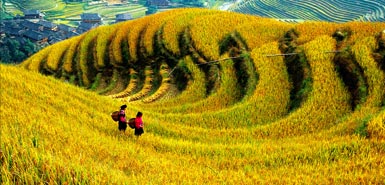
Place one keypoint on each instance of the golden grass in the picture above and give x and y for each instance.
(55, 133)
(66, 136)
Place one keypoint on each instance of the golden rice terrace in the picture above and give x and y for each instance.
(227, 98)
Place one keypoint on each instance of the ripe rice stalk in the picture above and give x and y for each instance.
(86, 59)
(39, 59)
(132, 84)
(69, 57)
(119, 37)
(174, 28)
(146, 87)
(376, 127)
(56, 55)
(103, 40)
(328, 99)
(164, 86)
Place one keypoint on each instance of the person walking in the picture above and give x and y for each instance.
(122, 118)
(139, 124)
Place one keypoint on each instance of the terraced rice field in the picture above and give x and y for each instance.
(325, 10)
(227, 98)
(69, 13)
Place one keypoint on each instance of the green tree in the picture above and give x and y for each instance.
(12, 51)
(152, 9)
(29, 48)
(4, 54)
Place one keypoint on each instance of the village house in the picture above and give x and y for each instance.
(85, 26)
(28, 25)
(91, 18)
(160, 3)
(48, 25)
(33, 14)
(39, 32)
(123, 17)
(89, 21)
(36, 37)
(65, 31)
(32, 26)
(65, 28)
(12, 28)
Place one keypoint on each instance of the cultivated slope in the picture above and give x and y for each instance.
(250, 101)
(325, 10)
(55, 133)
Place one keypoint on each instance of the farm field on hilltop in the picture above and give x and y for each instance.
(252, 101)
(68, 13)
(325, 10)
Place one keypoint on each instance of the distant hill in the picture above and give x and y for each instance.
(325, 10)
(35, 4)
(59, 11)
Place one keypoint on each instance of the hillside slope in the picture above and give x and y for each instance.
(61, 12)
(325, 10)
(250, 101)
(53, 132)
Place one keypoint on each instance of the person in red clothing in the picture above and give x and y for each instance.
(139, 124)
(122, 119)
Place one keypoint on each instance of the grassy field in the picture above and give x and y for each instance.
(69, 13)
(35, 4)
(326, 10)
(252, 101)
